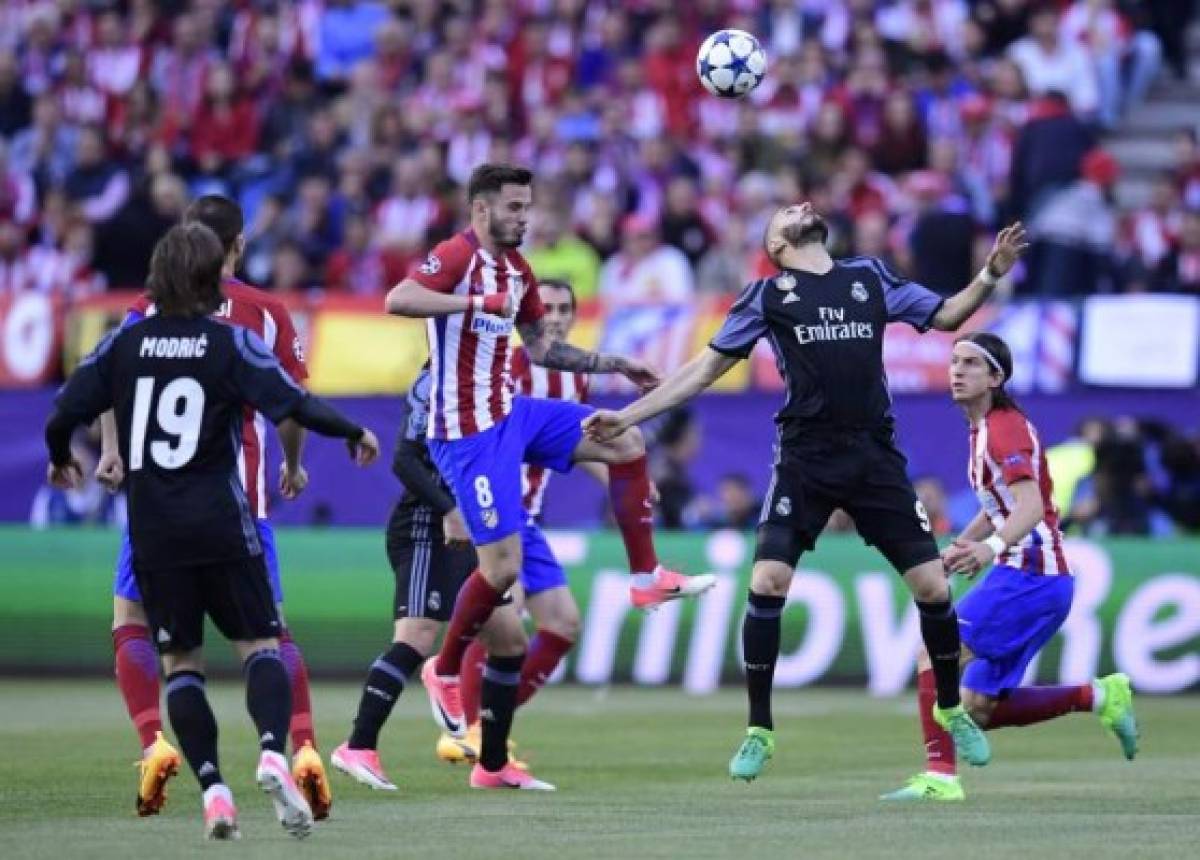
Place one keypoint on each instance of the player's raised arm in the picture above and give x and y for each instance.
(1006, 250)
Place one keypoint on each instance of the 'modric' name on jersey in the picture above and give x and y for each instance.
(827, 335)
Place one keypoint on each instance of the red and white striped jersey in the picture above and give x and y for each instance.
(469, 352)
(1004, 449)
(532, 380)
(267, 317)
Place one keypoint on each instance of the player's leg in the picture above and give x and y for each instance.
(556, 441)
(939, 780)
(307, 768)
(238, 597)
(136, 664)
(793, 514)
(174, 607)
(136, 661)
(888, 515)
(484, 473)
(505, 640)
(553, 608)
(1008, 618)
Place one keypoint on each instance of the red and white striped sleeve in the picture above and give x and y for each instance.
(445, 266)
(1011, 445)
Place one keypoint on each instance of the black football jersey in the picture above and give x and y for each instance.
(826, 332)
(177, 387)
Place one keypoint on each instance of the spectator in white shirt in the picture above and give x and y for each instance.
(1049, 62)
(1096, 27)
(645, 271)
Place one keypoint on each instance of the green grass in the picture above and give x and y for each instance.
(640, 774)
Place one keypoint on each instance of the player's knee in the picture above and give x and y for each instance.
(563, 623)
(128, 612)
(928, 584)
(420, 634)
(632, 445)
(771, 578)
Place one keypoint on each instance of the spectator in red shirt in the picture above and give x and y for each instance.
(225, 128)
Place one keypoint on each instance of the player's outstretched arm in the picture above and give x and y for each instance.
(558, 355)
(682, 385)
(411, 299)
(1006, 250)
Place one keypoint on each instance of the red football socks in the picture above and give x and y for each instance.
(546, 650)
(470, 680)
(939, 746)
(1028, 705)
(137, 678)
(476, 602)
(629, 494)
(301, 728)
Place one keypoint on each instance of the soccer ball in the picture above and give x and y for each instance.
(731, 63)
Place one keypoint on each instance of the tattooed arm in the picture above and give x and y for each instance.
(559, 355)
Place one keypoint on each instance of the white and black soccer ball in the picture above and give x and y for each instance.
(731, 63)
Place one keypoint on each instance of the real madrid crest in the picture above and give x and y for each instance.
(859, 292)
(786, 282)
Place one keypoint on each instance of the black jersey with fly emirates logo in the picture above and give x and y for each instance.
(177, 387)
(826, 332)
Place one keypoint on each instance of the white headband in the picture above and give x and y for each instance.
(991, 359)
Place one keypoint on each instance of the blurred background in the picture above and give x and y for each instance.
(347, 129)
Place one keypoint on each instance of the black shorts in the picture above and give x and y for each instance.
(235, 594)
(428, 573)
(861, 472)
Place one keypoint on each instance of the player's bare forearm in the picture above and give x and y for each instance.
(559, 355)
(1010, 244)
(108, 433)
(681, 386)
(291, 440)
(979, 528)
(410, 299)
(1027, 512)
(957, 309)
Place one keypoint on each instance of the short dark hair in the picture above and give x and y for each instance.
(995, 346)
(490, 178)
(560, 284)
(219, 214)
(185, 271)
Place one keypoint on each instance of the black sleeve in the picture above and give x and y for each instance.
(318, 416)
(410, 466)
(85, 395)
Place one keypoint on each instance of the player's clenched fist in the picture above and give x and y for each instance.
(292, 484)
(497, 304)
(365, 450)
(68, 476)
(603, 425)
(110, 471)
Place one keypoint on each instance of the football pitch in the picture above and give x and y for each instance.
(640, 774)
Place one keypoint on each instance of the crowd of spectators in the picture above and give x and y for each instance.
(346, 130)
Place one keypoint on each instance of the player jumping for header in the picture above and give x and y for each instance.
(475, 289)
(824, 320)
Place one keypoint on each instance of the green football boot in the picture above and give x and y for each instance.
(757, 747)
(1117, 714)
(969, 740)
(928, 786)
